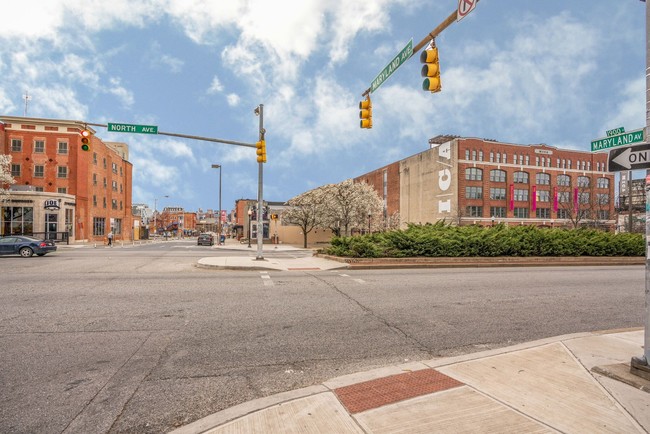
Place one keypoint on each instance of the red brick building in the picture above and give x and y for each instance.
(85, 194)
(478, 181)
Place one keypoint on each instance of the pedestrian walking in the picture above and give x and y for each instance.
(110, 238)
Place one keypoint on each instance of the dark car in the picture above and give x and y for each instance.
(25, 246)
(205, 240)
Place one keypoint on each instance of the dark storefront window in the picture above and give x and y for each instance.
(16, 220)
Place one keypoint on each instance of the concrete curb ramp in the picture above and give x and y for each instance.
(543, 386)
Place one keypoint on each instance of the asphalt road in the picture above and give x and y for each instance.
(138, 339)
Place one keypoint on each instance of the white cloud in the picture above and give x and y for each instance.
(123, 94)
(629, 112)
(233, 99)
(215, 86)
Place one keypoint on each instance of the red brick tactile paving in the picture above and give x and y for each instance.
(376, 393)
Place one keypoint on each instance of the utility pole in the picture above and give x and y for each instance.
(260, 200)
(641, 365)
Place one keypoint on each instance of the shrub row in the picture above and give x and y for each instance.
(443, 240)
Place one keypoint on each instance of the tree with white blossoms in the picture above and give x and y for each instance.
(5, 176)
(339, 207)
(305, 211)
(352, 205)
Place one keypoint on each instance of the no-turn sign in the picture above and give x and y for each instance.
(464, 8)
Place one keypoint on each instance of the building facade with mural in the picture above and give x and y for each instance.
(63, 192)
(477, 181)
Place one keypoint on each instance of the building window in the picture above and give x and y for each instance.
(603, 214)
(467, 154)
(521, 213)
(497, 193)
(114, 185)
(16, 220)
(543, 196)
(94, 179)
(563, 214)
(104, 202)
(543, 213)
(527, 160)
(504, 158)
(520, 178)
(95, 158)
(15, 170)
(583, 181)
(498, 158)
(62, 190)
(114, 168)
(480, 155)
(117, 226)
(536, 161)
(473, 192)
(473, 174)
(474, 211)
(569, 164)
(63, 148)
(491, 157)
(602, 198)
(498, 211)
(584, 214)
(563, 197)
(99, 226)
(114, 203)
(602, 183)
(521, 195)
(61, 172)
(474, 155)
(39, 171)
(497, 175)
(583, 197)
(564, 180)
(38, 189)
(94, 200)
(104, 160)
(16, 145)
(105, 184)
(543, 179)
(39, 146)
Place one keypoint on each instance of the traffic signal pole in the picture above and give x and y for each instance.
(641, 365)
(260, 201)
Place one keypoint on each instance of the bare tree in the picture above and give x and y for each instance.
(582, 204)
(5, 176)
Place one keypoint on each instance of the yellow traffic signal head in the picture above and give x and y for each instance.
(431, 70)
(261, 151)
(365, 113)
(85, 140)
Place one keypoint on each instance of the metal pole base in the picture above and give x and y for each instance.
(639, 367)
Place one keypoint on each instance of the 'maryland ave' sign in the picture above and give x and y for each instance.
(397, 61)
(635, 136)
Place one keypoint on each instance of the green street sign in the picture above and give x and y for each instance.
(129, 128)
(635, 136)
(397, 61)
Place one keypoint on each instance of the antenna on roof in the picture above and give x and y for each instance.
(26, 97)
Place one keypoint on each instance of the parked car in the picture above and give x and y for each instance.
(25, 246)
(205, 240)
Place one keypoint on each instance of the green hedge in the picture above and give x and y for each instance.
(443, 240)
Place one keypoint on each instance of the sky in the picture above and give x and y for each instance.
(518, 71)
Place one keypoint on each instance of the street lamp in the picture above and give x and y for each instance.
(250, 214)
(155, 202)
(218, 166)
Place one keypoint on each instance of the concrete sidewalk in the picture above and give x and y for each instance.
(551, 385)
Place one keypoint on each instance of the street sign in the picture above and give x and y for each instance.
(615, 131)
(402, 57)
(629, 158)
(129, 128)
(636, 136)
(464, 8)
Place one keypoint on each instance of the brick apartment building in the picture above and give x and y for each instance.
(62, 192)
(478, 181)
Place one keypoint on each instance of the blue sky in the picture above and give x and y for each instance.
(519, 71)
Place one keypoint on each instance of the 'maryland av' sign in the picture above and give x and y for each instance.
(635, 136)
(397, 61)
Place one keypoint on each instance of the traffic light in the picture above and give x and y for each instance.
(365, 113)
(261, 151)
(85, 140)
(431, 70)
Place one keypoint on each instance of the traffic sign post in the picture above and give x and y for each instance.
(132, 128)
(636, 136)
(629, 158)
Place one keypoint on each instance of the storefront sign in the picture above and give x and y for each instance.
(52, 204)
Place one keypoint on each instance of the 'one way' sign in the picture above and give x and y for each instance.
(629, 158)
